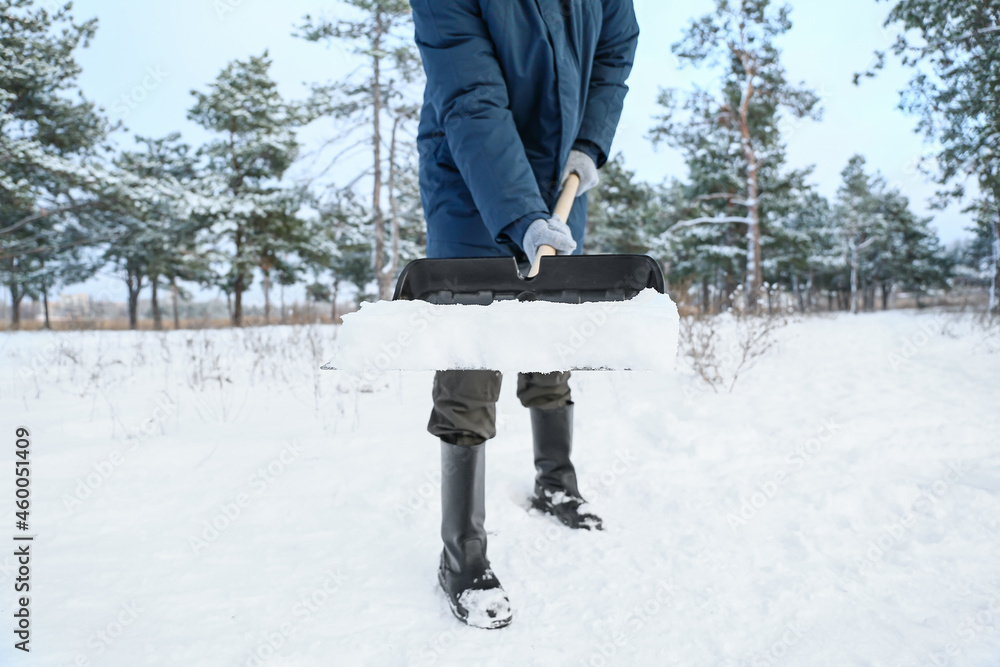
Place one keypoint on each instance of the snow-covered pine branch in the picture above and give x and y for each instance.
(730, 198)
(708, 220)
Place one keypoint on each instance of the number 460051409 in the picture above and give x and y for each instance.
(23, 443)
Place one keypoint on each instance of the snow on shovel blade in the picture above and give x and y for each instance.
(510, 336)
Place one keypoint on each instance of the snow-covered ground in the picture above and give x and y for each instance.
(210, 498)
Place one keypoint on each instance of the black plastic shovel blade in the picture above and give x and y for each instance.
(562, 279)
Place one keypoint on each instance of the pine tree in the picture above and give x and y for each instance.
(624, 215)
(801, 251)
(743, 121)
(341, 250)
(158, 238)
(254, 216)
(954, 46)
(47, 133)
(704, 244)
(984, 250)
(277, 239)
(911, 256)
(59, 192)
(885, 244)
(373, 109)
(971, 260)
(859, 220)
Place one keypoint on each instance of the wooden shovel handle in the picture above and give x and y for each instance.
(563, 208)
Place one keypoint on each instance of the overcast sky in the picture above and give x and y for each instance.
(174, 47)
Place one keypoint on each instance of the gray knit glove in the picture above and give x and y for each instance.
(553, 232)
(582, 165)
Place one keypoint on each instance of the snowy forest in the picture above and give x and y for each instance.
(212, 458)
(739, 226)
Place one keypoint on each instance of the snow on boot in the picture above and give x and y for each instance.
(474, 592)
(556, 490)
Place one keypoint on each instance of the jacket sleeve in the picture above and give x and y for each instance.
(466, 87)
(612, 64)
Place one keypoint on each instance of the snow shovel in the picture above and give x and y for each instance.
(570, 312)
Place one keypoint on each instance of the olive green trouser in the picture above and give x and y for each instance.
(465, 402)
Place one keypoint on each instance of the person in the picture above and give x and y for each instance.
(519, 94)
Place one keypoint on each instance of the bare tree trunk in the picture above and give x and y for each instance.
(282, 304)
(754, 270)
(267, 296)
(336, 294)
(237, 310)
(45, 304)
(238, 286)
(705, 305)
(389, 272)
(886, 290)
(719, 292)
(157, 315)
(379, 250)
(809, 292)
(16, 295)
(854, 278)
(995, 281)
(133, 282)
(753, 279)
(727, 292)
(174, 298)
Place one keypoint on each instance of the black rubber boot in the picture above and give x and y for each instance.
(474, 592)
(556, 490)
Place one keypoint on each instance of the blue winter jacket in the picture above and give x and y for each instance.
(512, 87)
